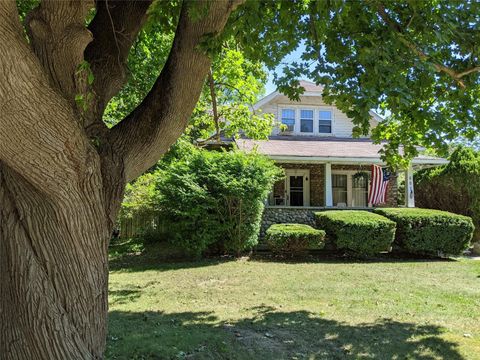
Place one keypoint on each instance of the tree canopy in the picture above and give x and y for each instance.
(415, 62)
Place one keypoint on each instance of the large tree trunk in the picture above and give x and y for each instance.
(53, 273)
(62, 172)
(55, 213)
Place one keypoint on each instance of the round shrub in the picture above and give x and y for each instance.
(293, 239)
(430, 232)
(215, 199)
(359, 232)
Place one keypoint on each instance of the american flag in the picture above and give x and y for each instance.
(378, 186)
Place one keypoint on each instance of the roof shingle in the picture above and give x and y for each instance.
(318, 147)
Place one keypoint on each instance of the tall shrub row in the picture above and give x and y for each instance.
(412, 230)
(454, 187)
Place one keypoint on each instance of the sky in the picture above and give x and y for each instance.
(293, 56)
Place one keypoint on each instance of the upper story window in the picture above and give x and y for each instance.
(325, 121)
(288, 118)
(306, 121)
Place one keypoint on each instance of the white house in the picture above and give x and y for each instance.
(324, 165)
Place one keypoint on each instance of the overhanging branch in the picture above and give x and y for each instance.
(454, 74)
(115, 28)
(148, 132)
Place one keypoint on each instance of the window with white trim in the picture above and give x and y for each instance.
(306, 121)
(288, 119)
(325, 121)
(350, 188)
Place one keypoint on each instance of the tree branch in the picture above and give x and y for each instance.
(148, 132)
(58, 37)
(213, 95)
(115, 28)
(469, 71)
(39, 136)
(457, 76)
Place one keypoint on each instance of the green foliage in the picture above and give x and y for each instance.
(360, 232)
(406, 59)
(293, 239)
(415, 61)
(25, 6)
(237, 85)
(454, 187)
(145, 61)
(430, 232)
(209, 198)
(140, 196)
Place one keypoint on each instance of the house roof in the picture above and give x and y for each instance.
(323, 149)
(310, 86)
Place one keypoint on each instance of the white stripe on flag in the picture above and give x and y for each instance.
(378, 187)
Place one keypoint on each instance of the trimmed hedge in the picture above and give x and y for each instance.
(430, 232)
(293, 239)
(360, 232)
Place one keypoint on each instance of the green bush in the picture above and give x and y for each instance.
(293, 239)
(359, 232)
(154, 234)
(454, 187)
(430, 232)
(215, 199)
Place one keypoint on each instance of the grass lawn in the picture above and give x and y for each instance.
(323, 309)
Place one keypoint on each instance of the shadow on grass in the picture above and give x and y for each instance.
(339, 257)
(135, 256)
(270, 335)
(118, 297)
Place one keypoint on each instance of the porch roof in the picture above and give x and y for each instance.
(325, 149)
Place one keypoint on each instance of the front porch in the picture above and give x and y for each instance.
(313, 186)
(330, 171)
(333, 186)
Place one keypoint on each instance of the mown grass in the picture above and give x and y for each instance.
(320, 309)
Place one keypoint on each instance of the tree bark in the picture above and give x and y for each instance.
(213, 96)
(54, 225)
(53, 272)
(60, 193)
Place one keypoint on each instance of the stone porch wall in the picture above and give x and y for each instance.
(292, 214)
(287, 214)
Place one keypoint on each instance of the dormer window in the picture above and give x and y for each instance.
(288, 119)
(325, 122)
(306, 121)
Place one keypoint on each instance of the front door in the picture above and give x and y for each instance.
(297, 187)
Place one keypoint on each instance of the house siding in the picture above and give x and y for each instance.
(341, 126)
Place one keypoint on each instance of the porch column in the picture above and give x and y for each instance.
(328, 185)
(409, 192)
